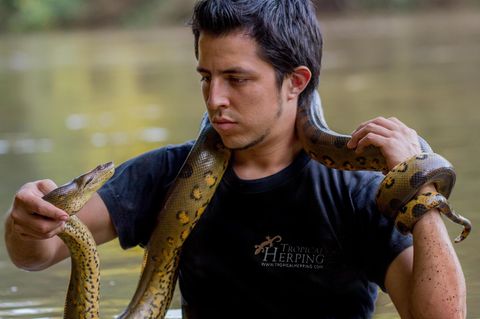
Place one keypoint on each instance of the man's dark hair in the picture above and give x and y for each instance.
(286, 31)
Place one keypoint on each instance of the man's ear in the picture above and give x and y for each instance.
(298, 81)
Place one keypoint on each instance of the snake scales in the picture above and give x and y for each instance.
(195, 186)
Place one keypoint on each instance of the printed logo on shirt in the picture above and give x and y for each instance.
(274, 252)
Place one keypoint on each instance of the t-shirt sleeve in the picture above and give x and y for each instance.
(135, 193)
(378, 242)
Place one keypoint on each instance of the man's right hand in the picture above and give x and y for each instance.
(31, 216)
(31, 226)
(33, 223)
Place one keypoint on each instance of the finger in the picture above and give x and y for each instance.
(371, 139)
(397, 122)
(34, 222)
(34, 236)
(369, 128)
(30, 235)
(28, 201)
(407, 133)
(359, 132)
(46, 186)
(44, 226)
(25, 236)
(387, 123)
(402, 127)
(38, 227)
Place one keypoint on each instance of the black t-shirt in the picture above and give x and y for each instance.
(306, 242)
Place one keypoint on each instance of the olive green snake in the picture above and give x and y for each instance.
(195, 185)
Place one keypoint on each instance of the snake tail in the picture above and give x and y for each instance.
(404, 180)
(414, 210)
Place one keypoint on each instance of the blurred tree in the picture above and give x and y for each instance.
(45, 14)
(7, 7)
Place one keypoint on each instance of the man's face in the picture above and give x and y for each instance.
(240, 90)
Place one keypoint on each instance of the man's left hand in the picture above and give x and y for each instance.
(396, 141)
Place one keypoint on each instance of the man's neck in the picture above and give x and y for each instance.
(265, 160)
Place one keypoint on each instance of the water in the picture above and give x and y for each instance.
(70, 101)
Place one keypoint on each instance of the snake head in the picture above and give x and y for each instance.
(72, 196)
(90, 182)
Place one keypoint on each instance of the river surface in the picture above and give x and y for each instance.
(69, 101)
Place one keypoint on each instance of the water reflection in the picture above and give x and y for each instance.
(17, 144)
(71, 101)
(25, 145)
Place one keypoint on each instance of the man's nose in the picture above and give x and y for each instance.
(217, 95)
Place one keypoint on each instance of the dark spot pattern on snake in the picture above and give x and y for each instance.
(417, 179)
(328, 161)
(339, 142)
(361, 160)
(395, 204)
(402, 168)
(314, 138)
(186, 172)
(418, 210)
(402, 228)
(347, 165)
(389, 182)
(313, 154)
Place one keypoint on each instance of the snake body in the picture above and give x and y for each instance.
(83, 290)
(187, 200)
(197, 181)
(400, 184)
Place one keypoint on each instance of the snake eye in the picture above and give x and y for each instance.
(89, 180)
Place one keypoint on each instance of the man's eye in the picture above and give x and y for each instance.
(237, 80)
(205, 79)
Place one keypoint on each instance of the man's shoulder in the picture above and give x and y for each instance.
(163, 163)
(352, 179)
(169, 153)
(173, 149)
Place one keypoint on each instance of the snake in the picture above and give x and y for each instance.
(194, 187)
(82, 300)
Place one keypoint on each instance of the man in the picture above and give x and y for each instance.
(284, 236)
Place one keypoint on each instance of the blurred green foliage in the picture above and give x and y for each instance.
(34, 14)
(25, 15)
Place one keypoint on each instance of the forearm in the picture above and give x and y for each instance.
(32, 254)
(438, 287)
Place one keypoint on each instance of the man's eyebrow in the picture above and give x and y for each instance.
(202, 70)
(234, 70)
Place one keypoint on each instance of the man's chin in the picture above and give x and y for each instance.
(241, 145)
(228, 143)
(231, 144)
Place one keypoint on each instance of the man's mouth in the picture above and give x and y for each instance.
(223, 124)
